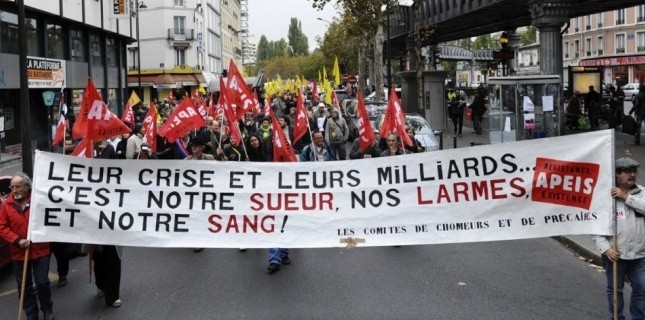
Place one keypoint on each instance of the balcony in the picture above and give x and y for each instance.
(620, 21)
(588, 27)
(600, 52)
(577, 55)
(181, 34)
(640, 19)
(640, 48)
(566, 55)
(599, 24)
(576, 29)
(620, 50)
(588, 53)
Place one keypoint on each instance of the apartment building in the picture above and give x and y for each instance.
(614, 40)
(68, 41)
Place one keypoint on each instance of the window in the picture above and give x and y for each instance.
(78, 46)
(576, 47)
(588, 47)
(620, 43)
(640, 13)
(110, 52)
(640, 41)
(180, 56)
(55, 42)
(179, 3)
(600, 17)
(96, 54)
(9, 32)
(587, 22)
(32, 37)
(566, 49)
(576, 24)
(179, 25)
(601, 45)
(620, 16)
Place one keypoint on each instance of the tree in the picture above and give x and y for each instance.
(529, 37)
(484, 42)
(297, 39)
(263, 49)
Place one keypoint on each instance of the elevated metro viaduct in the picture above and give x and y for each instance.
(458, 19)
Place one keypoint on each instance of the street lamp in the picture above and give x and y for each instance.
(140, 5)
(323, 20)
(199, 39)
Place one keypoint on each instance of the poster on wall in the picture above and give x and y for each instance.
(45, 73)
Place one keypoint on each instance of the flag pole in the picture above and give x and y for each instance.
(25, 264)
(614, 242)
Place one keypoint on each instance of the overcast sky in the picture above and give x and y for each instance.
(271, 18)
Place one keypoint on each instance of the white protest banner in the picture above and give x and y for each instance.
(515, 190)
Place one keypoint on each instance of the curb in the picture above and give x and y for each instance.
(582, 251)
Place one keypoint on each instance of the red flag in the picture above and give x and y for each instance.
(314, 93)
(102, 123)
(60, 130)
(394, 120)
(128, 115)
(365, 130)
(238, 93)
(334, 99)
(267, 106)
(228, 113)
(256, 101)
(197, 98)
(181, 121)
(150, 123)
(85, 149)
(302, 123)
(282, 150)
(89, 95)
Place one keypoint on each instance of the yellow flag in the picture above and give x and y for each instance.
(134, 99)
(319, 77)
(336, 73)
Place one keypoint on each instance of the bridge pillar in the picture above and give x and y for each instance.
(549, 16)
(433, 108)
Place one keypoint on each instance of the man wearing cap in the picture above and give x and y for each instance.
(630, 254)
(320, 116)
(336, 133)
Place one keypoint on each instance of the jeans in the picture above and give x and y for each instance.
(339, 148)
(458, 122)
(37, 270)
(635, 270)
(276, 254)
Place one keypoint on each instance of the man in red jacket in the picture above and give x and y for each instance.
(14, 222)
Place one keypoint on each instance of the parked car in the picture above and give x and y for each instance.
(5, 255)
(374, 109)
(340, 93)
(386, 94)
(422, 130)
(631, 90)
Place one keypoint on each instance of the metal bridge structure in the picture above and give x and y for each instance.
(451, 52)
(448, 20)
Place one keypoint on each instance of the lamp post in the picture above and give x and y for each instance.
(503, 41)
(140, 5)
(323, 20)
(388, 65)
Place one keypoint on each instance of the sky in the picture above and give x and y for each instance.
(272, 17)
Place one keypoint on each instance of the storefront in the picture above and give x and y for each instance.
(619, 70)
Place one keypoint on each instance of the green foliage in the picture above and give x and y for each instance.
(529, 37)
(297, 39)
(485, 41)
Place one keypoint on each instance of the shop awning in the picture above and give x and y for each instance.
(167, 80)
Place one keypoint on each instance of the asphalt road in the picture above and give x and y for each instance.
(524, 279)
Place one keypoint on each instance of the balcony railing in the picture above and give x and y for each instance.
(640, 19)
(620, 50)
(640, 48)
(588, 27)
(620, 21)
(600, 52)
(599, 24)
(566, 55)
(576, 29)
(588, 53)
(577, 55)
(181, 34)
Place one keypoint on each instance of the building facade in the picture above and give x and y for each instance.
(68, 41)
(614, 40)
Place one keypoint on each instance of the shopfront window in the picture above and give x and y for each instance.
(55, 42)
(78, 46)
(110, 51)
(96, 54)
(9, 32)
(32, 37)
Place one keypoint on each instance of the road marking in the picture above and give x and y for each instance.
(6, 293)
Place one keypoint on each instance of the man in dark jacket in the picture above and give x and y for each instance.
(639, 109)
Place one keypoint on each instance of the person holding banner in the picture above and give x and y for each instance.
(629, 255)
(14, 223)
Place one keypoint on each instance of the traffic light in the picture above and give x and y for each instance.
(436, 56)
